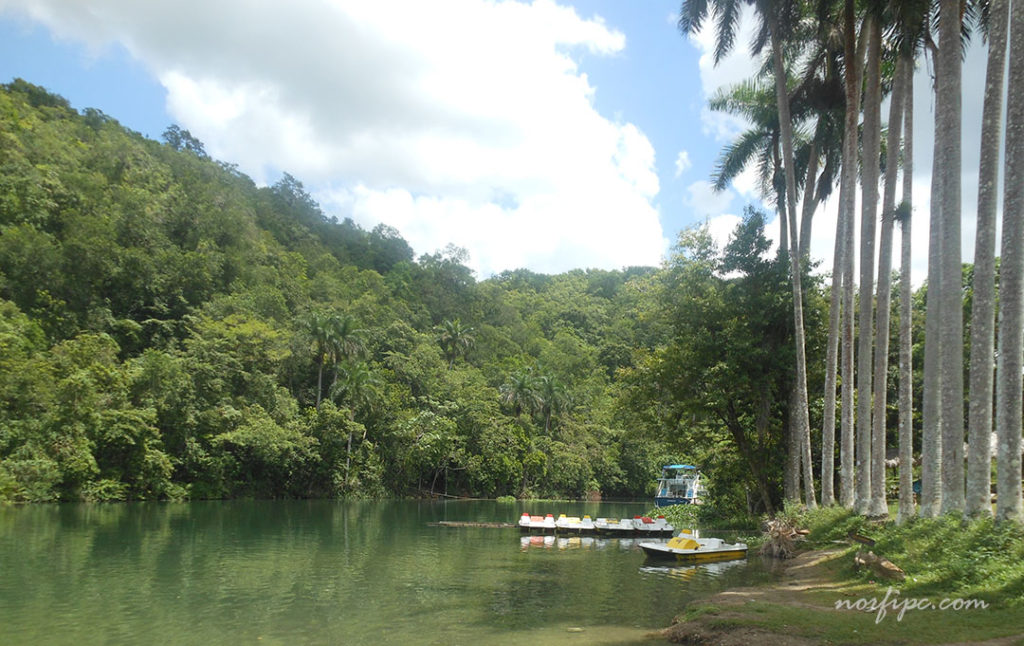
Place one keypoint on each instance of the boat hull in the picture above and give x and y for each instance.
(696, 557)
(668, 501)
(686, 550)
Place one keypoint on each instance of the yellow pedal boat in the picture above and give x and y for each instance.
(688, 549)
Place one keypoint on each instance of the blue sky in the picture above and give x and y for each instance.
(546, 135)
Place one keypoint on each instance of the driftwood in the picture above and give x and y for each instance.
(459, 523)
(781, 538)
(882, 567)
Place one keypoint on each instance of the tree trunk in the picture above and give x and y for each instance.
(828, 426)
(978, 500)
(931, 409)
(848, 185)
(869, 214)
(951, 361)
(319, 380)
(1011, 289)
(906, 400)
(810, 204)
(879, 508)
(791, 477)
(786, 132)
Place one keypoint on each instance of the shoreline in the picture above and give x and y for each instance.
(799, 609)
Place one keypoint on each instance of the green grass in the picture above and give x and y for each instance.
(946, 556)
(858, 627)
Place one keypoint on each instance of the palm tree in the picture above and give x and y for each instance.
(357, 387)
(520, 392)
(904, 216)
(853, 56)
(346, 341)
(979, 425)
(869, 213)
(777, 19)
(878, 507)
(1009, 504)
(321, 330)
(455, 338)
(551, 398)
(947, 164)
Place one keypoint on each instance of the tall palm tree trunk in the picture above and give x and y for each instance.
(979, 425)
(828, 425)
(931, 405)
(906, 395)
(869, 213)
(1009, 504)
(947, 144)
(786, 132)
(878, 417)
(853, 51)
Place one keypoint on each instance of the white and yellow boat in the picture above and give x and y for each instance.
(689, 549)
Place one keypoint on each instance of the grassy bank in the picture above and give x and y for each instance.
(944, 559)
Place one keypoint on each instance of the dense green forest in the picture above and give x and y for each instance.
(170, 330)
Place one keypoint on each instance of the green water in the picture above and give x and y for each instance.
(328, 572)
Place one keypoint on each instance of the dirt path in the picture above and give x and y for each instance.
(785, 612)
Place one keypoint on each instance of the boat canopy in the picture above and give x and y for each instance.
(678, 466)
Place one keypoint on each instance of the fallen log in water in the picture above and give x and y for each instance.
(460, 523)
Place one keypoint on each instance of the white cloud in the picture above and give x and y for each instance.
(683, 163)
(734, 67)
(466, 121)
(721, 228)
(705, 201)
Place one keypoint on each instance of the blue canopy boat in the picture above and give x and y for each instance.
(680, 484)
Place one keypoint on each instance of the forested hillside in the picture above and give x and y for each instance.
(170, 330)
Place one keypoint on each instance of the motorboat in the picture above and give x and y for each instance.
(680, 484)
(689, 549)
(646, 527)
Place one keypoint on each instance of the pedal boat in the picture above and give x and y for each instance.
(646, 527)
(687, 549)
(614, 527)
(574, 525)
(537, 524)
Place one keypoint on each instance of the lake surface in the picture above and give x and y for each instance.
(331, 572)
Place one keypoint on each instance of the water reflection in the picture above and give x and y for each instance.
(689, 572)
(315, 572)
(549, 541)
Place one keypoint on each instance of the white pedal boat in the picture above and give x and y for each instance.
(687, 549)
(540, 524)
(574, 524)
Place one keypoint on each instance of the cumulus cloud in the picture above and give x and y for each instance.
(465, 122)
(683, 163)
(705, 201)
(735, 67)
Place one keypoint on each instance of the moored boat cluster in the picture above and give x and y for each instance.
(638, 526)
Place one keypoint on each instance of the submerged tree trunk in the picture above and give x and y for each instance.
(951, 361)
(906, 396)
(979, 426)
(878, 444)
(1009, 504)
(869, 213)
(786, 132)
